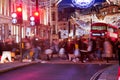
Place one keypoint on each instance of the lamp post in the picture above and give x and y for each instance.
(17, 19)
(37, 16)
(19, 22)
(21, 51)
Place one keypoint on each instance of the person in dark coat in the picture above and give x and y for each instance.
(1, 44)
(118, 49)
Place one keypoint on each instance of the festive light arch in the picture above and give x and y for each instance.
(83, 3)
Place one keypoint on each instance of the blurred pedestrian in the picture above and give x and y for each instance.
(108, 49)
(55, 47)
(48, 52)
(76, 50)
(99, 46)
(67, 48)
(118, 49)
(1, 45)
(61, 50)
(6, 51)
(36, 51)
(26, 53)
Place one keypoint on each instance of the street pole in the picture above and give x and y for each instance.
(69, 25)
(36, 5)
(37, 10)
(21, 42)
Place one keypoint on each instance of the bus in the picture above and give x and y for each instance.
(100, 29)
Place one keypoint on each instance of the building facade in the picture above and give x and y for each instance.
(5, 19)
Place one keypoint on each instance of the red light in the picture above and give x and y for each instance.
(19, 9)
(36, 13)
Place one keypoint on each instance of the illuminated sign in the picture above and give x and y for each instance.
(98, 28)
(113, 35)
(98, 34)
(83, 3)
(118, 32)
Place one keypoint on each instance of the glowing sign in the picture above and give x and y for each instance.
(113, 35)
(97, 34)
(83, 3)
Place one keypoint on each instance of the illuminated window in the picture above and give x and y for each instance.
(114, 10)
(4, 7)
(98, 28)
(54, 29)
(53, 16)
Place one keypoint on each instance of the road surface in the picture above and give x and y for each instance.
(49, 71)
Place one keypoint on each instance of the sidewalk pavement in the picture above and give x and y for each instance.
(4, 67)
(110, 73)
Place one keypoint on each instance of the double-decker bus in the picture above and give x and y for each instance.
(103, 29)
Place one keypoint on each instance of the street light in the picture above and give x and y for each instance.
(19, 22)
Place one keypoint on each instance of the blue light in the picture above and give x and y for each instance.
(83, 3)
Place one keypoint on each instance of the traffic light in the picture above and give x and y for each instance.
(32, 20)
(37, 17)
(19, 14)
(17, 17)
(14, 18)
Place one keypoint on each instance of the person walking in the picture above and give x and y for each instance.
(99, 46)
(107, 49)
(67, 49)
(36, 52)
(27, 49)
(76, 50)
(36, 49)
(6, 51)
(55, 47)
(118, 49)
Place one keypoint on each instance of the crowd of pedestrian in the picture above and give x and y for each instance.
(82, 49)
(85, 49)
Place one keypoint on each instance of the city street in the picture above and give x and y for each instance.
(49, 71)
(59, 39)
